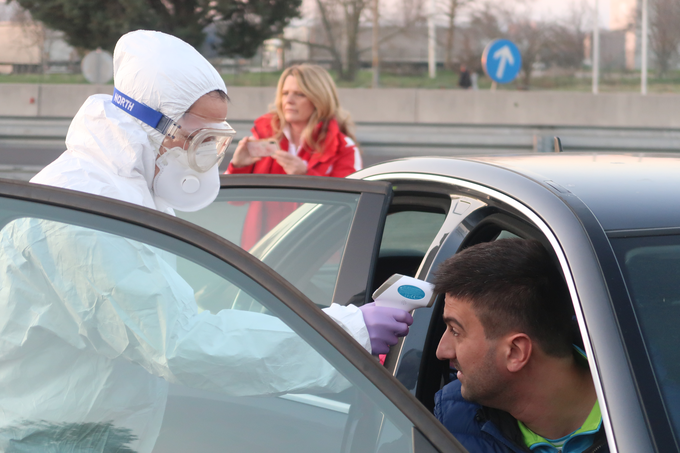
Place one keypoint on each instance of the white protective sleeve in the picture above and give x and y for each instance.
(101, 324)
(120, 299)
(351, 319)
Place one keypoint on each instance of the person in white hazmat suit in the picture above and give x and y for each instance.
(93, 327)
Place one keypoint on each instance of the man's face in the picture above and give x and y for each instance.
(207, 109)
(477, 359)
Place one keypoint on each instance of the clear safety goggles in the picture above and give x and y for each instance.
(205, 143)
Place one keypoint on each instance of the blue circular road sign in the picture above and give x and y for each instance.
(501, 60)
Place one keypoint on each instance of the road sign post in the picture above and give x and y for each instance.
(501, 61)
(97, 66)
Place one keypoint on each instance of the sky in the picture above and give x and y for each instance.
(556, 8)
(547, 9)
(539, 9)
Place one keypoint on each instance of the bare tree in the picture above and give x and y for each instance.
(565, 38)
(412, 12)
(340, 21)
(484, 25)
(412, 17)
(339, 24)
(375, 45)
(530, 37)
(340, 31)
(664, 16)
(508, 20)
(32, 37)
(451, 10)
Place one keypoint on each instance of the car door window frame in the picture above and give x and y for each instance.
(363, 242)
(135, 218)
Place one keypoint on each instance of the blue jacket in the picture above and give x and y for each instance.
(485, 430)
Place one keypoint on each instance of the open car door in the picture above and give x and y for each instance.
(125, 329)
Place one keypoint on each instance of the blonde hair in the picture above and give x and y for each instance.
(318, 86)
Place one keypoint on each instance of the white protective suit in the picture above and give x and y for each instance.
(94, 326)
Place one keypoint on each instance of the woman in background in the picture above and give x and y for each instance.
(315, 137)
(314, 134)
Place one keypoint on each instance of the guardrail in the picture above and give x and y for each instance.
(382, 141)
(420, 139)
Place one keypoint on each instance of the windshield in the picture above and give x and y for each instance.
(651, 267)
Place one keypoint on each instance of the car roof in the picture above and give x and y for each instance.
(624, 191)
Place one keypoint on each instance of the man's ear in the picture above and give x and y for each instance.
(519, 349)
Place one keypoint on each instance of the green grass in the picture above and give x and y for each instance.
(42, 78)
(252, 79)
(609, 82)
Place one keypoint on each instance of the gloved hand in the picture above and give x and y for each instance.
(385, 325)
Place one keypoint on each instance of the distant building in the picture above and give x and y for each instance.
(26, 46)
(612, 49)
(9, 11)
(622, 14)
(625, 16)
(19, 44)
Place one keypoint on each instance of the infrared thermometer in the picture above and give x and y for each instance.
(407, 293)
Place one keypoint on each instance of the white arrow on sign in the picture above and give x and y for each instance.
(505, 55)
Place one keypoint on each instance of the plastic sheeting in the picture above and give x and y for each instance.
(94, 326)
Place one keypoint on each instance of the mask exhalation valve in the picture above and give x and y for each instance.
(190, 184)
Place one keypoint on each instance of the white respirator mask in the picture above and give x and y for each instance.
(182, 187)
(188, 177)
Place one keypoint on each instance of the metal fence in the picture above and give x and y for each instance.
(36, 141)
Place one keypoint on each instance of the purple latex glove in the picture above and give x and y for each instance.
(385, 325)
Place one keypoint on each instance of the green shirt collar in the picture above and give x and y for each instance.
(590, 426)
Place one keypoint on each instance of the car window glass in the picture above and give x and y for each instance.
(410, 231)
(406, 238)
(117, 338)
(651, 268)
(301, 234)
(505, 234)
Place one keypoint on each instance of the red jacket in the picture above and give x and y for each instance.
(340, 157)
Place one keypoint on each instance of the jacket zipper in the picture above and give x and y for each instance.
(595, 449)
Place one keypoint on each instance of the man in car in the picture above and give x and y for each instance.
(521, 384)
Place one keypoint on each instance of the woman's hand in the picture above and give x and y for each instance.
(242, 157)
(292, 165)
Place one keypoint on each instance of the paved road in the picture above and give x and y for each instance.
(30, 152)
(21, 159)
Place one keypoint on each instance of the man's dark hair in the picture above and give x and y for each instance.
(512, 285)
(219, 94)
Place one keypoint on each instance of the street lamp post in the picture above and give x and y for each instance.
(432, 42)
(644, 39)
(376, 44)
(595, 50)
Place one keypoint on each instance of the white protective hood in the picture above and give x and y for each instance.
(109, 152)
